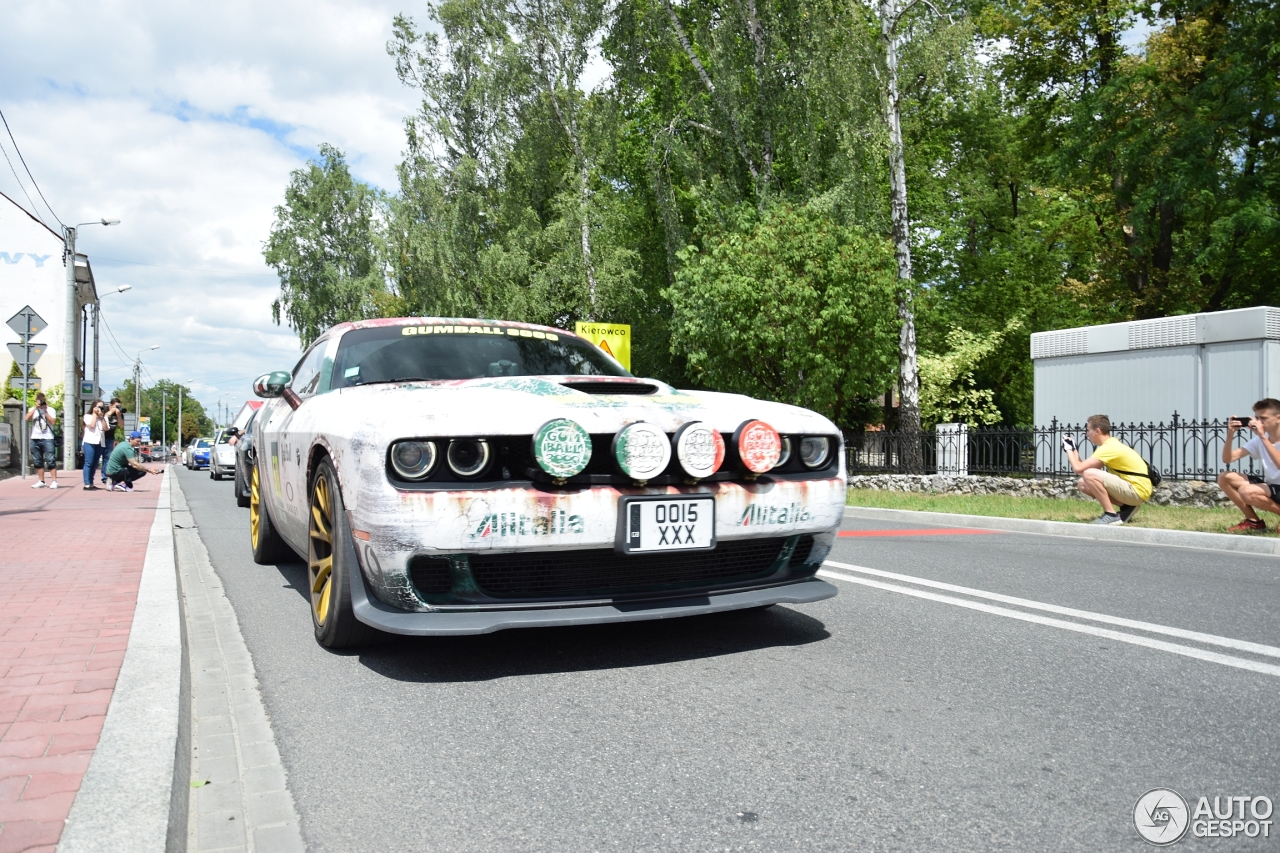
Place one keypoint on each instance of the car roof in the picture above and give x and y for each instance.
(343, 328)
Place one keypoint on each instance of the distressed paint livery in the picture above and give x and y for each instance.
(355, 426)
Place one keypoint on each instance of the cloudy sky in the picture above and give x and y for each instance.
(184, 120)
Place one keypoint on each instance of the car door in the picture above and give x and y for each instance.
(287, 444)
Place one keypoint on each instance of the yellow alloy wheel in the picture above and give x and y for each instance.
(255, 509)
(320, 557)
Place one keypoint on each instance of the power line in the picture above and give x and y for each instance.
(28, 168)
(35, 210)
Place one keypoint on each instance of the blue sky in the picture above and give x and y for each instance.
(184, 120)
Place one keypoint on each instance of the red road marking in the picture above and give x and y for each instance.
(932, 531)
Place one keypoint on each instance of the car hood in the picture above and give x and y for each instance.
(519, 405)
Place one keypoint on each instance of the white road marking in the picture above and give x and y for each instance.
(1151, 628)
(1118, 636)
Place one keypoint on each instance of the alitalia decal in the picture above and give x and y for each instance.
(519, 524)
(761, 514)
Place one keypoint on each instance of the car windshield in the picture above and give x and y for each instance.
(223, 438)
(202, 444)
(395, 353)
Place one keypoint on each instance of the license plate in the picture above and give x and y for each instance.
(650, 524)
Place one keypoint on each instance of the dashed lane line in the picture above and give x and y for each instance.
(1118, 636)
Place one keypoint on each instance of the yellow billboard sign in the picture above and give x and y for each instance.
(613, 338)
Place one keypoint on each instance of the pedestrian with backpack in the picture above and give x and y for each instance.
(1115, 475)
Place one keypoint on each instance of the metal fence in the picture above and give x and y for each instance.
(1179, 450)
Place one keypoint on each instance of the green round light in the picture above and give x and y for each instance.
(562, 448)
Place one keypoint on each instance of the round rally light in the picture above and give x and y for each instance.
(641, 450)
(413, 460)
(562, 448)
(815, 450)
(699, 448)
(759, 446)
(468, 457)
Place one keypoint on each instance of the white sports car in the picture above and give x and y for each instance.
(446, 476)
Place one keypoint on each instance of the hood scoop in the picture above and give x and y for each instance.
(604, 386)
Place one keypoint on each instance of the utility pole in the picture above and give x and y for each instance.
(164, 415)
(70, 385)
(137, 387)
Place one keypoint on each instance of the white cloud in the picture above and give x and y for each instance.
(184, 120)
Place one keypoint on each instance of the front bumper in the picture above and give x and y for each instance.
(443, 624)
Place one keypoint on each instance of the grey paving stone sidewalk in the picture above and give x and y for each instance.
(241, 800)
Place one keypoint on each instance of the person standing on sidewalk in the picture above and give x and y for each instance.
(1251, 492)
(1113, 474)
(113, 414)
(95, 424)
(123, 467)
(42, 420)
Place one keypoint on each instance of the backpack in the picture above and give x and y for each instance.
(1152, 474)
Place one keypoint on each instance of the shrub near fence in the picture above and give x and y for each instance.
(1179, 450)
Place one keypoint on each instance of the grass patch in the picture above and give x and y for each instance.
(1051, 509)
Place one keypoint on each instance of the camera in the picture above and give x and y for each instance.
(1241, 422)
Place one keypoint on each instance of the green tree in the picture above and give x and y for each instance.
(793, 307)
(325, 245)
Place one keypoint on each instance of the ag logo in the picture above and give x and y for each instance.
(1160, 816)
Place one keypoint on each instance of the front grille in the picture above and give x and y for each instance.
(800, 556)
(605, 572)
(430, 575)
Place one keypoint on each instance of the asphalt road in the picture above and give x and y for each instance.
(878, 720)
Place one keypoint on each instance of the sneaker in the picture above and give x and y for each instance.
(38, 484)
(1107, 518)
(53, 484)
(1126, 512)
(126, 488)
(91, 488)
(1247, 525)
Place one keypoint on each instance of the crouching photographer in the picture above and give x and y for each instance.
(124, 468)
(1115, 475)
(1249, 492)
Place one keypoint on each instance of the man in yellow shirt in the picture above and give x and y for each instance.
(1114, 475)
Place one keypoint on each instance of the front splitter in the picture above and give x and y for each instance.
(453, 623)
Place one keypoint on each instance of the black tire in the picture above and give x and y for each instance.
(213, 473)
(242, 492)
(268, 547)
(330, 559)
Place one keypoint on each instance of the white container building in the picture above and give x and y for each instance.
(1202, 366)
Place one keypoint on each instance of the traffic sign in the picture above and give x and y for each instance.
(130, 421)
(88, 391)
(144, 427)
(613, 338)
(27, 322)
(26, 355)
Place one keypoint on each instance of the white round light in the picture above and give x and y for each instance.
(641, 450)
(699, 448)
(815, 450)
(468, 457)
(413, 460)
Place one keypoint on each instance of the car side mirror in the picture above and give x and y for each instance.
(272, 384)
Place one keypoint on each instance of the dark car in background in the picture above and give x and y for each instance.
(245, 460)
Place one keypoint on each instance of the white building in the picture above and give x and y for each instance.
(32, 273)
(1202, 366)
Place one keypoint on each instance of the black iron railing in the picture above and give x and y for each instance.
(1179, 450)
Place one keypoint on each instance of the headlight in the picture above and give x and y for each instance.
(759, 446)
(785, 455)
(815, 451)
(413, 460)
(468, 457)
(562, 448)
(700, 449)
(641, 450)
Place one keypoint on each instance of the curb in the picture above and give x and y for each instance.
(124, 799)
(1107, 533)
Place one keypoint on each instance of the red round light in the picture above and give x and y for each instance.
(759, 446)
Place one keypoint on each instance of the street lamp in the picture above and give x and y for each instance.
(137, 381)
(70, 385)
(97, 314)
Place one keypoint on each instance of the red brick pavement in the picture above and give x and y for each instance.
(68, 586)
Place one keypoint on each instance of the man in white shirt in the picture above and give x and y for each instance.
(1251, 492)
(42, 418)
